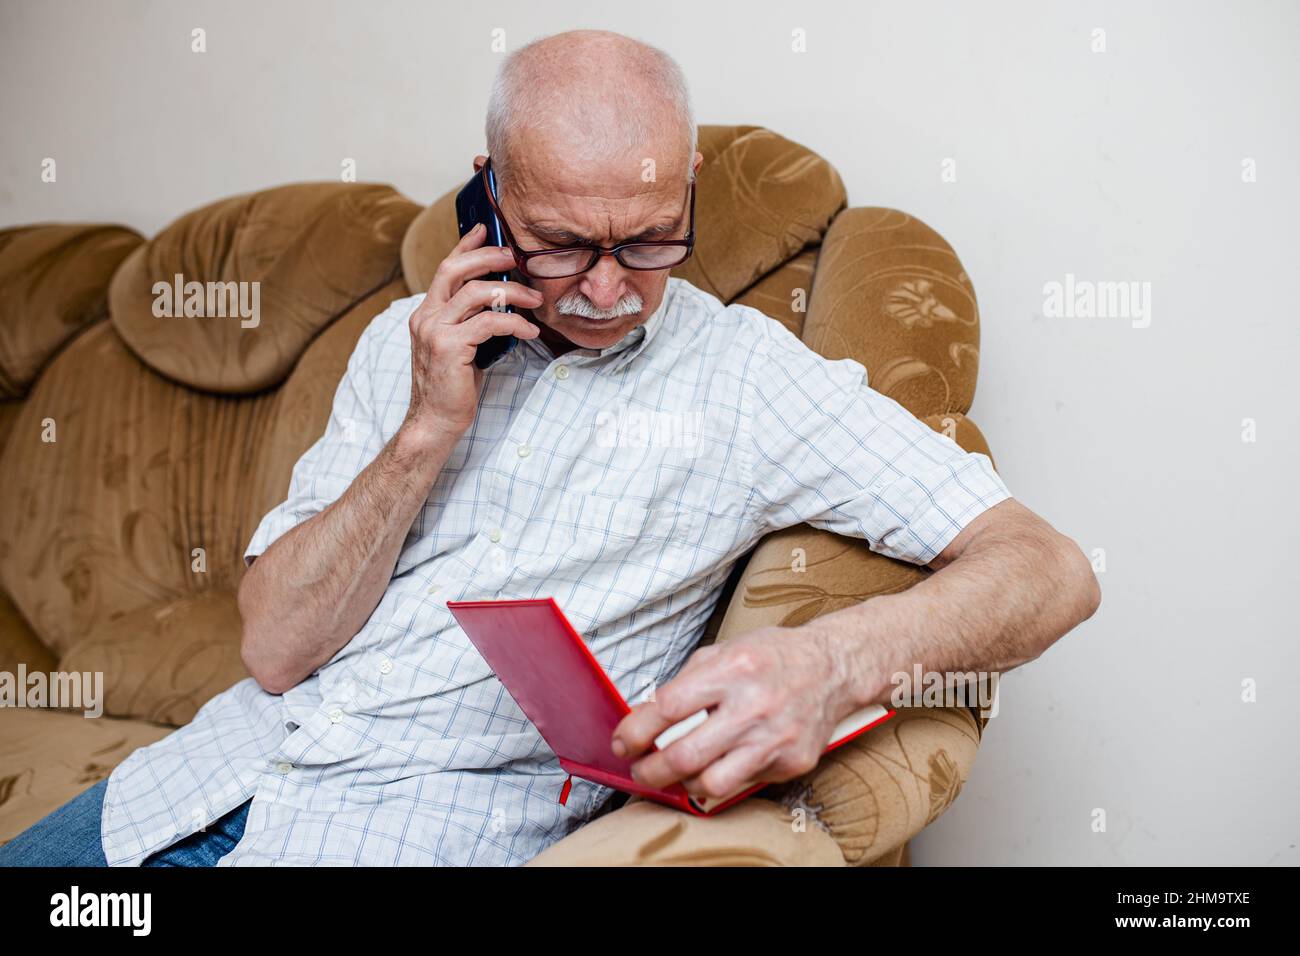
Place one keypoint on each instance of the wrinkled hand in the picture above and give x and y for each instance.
(456, 316)
(774, 695)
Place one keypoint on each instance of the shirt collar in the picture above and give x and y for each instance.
(629, 346)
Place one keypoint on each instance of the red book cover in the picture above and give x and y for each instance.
(560, 686)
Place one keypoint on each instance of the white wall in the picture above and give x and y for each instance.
(1122, 165)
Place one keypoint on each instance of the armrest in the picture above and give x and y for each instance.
(877, 792)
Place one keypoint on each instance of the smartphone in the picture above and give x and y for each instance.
(472, 207)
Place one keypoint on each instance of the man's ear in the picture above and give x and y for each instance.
(696, 163)
(479, 160)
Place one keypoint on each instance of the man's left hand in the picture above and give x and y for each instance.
(774, 695)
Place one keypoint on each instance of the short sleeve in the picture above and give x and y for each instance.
(834, 453)
(353, 438)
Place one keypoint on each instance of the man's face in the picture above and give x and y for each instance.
(548, 205)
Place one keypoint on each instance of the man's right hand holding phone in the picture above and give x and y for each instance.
(456, 316)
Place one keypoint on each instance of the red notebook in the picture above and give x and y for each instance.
(553, 677)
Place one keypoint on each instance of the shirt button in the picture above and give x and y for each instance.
(495, 535)
(524, 451)
(283, 767)
(335, 715)
(385, 666)
(433, 589)
(561, 371)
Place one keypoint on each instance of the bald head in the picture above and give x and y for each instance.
(590, 98)
(593, 143)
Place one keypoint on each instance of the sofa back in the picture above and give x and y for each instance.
(150, 445)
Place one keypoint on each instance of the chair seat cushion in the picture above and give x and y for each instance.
(47, 757)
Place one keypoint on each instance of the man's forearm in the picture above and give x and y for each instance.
(315, 587)
(1003, 602)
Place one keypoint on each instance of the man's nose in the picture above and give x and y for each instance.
(603, 283)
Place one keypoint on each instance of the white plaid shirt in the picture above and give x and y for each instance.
(624, 483)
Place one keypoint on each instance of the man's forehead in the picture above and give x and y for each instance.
(563, 158)
(564, 205)
(612, 182)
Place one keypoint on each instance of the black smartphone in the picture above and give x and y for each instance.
(472, 207)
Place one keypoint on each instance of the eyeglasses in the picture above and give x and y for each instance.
(565, 261)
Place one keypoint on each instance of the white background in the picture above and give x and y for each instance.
(1122, 165)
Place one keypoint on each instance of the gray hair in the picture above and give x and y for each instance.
(522, 93)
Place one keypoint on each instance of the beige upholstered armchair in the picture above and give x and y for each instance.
(173, 439)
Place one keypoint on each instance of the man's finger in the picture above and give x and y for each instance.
(739, 767)
(477, 295)
(461, 265)
(682, 696)
(471, 299)
(477, 330)
(692, 754)
(438, 290)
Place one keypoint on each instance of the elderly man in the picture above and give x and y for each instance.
(371, 732)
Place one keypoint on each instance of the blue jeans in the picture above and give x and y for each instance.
(70, 837)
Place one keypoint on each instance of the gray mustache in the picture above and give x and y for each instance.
(575, 303)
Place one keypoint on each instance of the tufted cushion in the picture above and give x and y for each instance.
(163, 663)
(760, 202)
(761, 199)
(314, 250)
(783, 293)
(891, 293)
(19, 643)
(430, 238)
(8, 415)
(103, 520)
(302, 404)
(53, 283)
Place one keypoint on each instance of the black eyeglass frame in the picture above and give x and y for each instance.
(523, 256)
